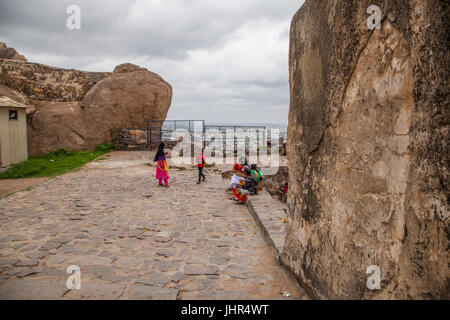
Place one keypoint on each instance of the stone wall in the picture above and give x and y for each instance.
(368, 149)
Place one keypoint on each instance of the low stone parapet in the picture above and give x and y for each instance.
(270, 218)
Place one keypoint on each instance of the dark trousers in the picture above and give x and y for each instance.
(200, 174)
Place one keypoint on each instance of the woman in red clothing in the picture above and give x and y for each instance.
(162, 170)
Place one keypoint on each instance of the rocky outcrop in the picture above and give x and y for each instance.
(76, 109)
(14, 95)
(10, 53)
(44, 83)
(368, 149)
(128, 98)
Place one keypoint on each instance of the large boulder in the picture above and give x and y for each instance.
(57, 125)
(128, 98)
(368, 149)
(95, 101)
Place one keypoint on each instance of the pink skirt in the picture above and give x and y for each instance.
(161, 174)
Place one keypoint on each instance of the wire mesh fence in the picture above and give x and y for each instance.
(171, 132)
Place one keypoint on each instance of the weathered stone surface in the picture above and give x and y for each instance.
(157, 280)
(25, 273)
(27, 263)
(128, 67)
(273, 183)
(45, 83)
(368, 149)
(142, 292)
(51, 245)
(127, 99)
(5, 263)
(14, 95)
(200, 270)
(14, 271)
(98, 290)
(37, 255)
(10, 53)
(57, 125)
(33, 289)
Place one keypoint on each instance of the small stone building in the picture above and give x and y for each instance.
(13, 132)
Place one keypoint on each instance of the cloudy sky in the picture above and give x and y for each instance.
(227, 61)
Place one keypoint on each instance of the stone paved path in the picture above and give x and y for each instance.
(133, 239)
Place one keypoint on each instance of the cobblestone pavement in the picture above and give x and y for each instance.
(133, 239)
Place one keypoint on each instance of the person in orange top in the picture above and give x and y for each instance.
(200, 165)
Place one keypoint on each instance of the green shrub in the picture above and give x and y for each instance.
(104, 148)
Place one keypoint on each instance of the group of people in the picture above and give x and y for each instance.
(246, 180)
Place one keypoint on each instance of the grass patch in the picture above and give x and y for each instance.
(55, 163)
(207, 165)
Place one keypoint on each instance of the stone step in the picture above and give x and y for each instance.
(269, 216)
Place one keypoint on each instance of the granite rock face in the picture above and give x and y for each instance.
(10, 53)
(368, 149)
(14, 95)
(126, 99)
(57, 125)
(45, 83)
(75, 109)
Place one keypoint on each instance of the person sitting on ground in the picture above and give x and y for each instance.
(238, 170)
(162, 170)
(285, 188)
(258, 176)
(248, 186)
(200, 165)
(284, 191)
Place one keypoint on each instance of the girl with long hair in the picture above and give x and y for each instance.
(162, 170)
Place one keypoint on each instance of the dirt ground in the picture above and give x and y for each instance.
(10, 186)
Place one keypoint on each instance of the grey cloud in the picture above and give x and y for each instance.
(219, 56)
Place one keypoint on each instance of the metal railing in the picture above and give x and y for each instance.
(149, 138)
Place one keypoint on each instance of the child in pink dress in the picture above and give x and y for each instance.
(162, 170)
